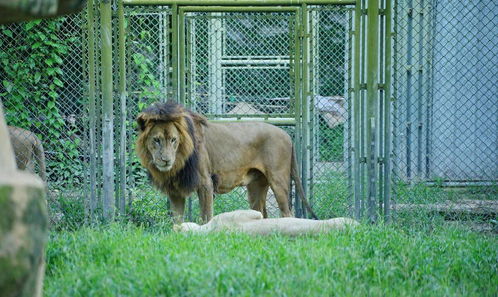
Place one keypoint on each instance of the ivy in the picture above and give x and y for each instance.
(32, 73)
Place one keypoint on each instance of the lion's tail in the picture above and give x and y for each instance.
(40, 157)
(299, 185)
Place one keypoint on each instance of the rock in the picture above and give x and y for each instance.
(23, 234)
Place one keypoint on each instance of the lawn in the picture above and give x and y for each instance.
(125, 260)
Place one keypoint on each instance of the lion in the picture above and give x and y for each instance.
(28, 149)
(252, 222)
(184, 153)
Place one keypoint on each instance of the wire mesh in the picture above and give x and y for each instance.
(43, 93)
(446, 109)
(330, 190)
(239, 65)
(243, 65)
(148, 74)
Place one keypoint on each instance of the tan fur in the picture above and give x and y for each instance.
(256, 155)
(28, 148)
(252, 222)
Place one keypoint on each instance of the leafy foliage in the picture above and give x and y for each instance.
(33, 80)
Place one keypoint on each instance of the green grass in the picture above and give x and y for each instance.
(122, 260)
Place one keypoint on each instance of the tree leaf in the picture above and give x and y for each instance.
(8, 85)
(29, 25)
(58, 82)
(7, 32)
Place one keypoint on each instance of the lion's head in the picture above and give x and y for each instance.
(167, 142)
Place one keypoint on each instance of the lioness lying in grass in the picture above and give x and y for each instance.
(252, 222)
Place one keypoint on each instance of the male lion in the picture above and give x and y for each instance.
(184, 153)
(28, 150)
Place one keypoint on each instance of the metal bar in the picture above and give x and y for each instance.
(372, 98)
(429, 107)
(215, 81)
(239, 2)
(257, 58)
(419, 31)
(408, 97)
(298, 102)
(362, 104)
(107, 105)
(314, 90)
(166, 39)
(91, 106)
(349, 90)
(306, 98)
(98, 117)
(122, 98)
(256, 67)
(255, 62)
(275, 121)
(237, 9)
(257, 116)
(356, 113)
(394, 87)
(191, 63)
(181, 54)
(162, 44)
(380, 118)
(174, 51)
(387, 114)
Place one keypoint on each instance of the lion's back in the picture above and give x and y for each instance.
(246, 145)
(240, 135)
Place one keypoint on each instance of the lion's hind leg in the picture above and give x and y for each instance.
(257, 191)
(280, 188)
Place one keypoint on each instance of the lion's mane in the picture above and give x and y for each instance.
(184, 175)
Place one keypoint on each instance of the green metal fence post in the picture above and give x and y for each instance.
(107, 104)
(349, 102)
(298, 102)
(307, 102)
(181, 54)
(372, 99)
(387, 113)
(356, 112)
(174, 51)
(122, 98)
(92, 203)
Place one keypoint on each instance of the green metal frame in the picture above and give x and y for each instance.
(122, 112)
(92, 203)
(239, 2)
(107, 106)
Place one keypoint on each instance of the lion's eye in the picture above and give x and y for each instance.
(173, 139)
(157, 140)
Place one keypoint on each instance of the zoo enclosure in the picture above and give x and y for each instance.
(308, 73)
(279, 78)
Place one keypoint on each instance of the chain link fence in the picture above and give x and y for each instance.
(241, 65)
(330, 49)
(445, 120)
(42, 89)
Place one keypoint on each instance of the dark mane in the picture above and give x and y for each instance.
(185, 178)
(188, 176)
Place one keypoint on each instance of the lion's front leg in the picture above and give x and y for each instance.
(205, 194)
(178, 208)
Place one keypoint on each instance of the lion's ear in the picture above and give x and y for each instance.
(141, 121)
